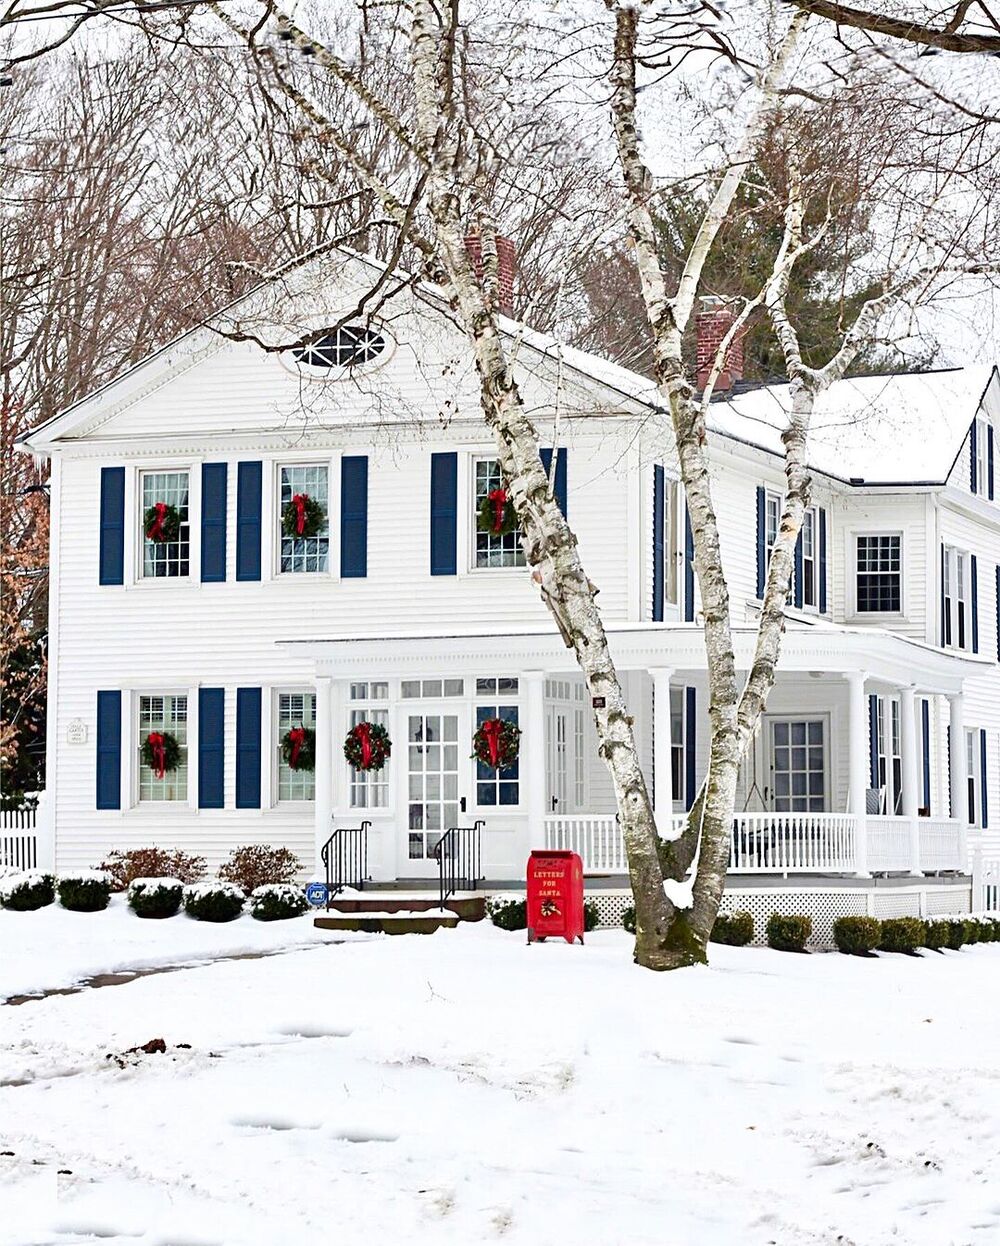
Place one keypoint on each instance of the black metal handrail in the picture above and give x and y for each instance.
(345, 856)
(459, 854)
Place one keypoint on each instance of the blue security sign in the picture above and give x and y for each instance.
(317, 893)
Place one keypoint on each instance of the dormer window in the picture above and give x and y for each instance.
(346, 347)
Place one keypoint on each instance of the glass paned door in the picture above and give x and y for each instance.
(557, 750)
(432, 777)
(798, 765)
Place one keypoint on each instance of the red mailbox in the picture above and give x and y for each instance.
(555, 896)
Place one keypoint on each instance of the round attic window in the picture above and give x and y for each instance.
(346, 347)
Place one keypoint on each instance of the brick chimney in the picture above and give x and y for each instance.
(712, 323)
(506, 267)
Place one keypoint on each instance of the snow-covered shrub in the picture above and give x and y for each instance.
(736, 929)
(255, 865)
(936, 934)
(28, 890)
(86, 891)
(857, 936)
(971, 930)
(126, 867)
(591, 915)
(213, 902)
(788, 932)
(276, 901)
(155, 897)
(956, 933)
(902, 934)
(628, 918)
(507, 914)
(989, 930)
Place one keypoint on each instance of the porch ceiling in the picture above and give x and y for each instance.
(679, 646)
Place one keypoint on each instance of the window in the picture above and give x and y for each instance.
(772, 524)
(370, 788)
(798, 766)
(879, 574)
(890, 758)
(677, 744)
(503, 550)
(295, 709)
(506, 686)
(972, 767)
(166, 559)
(163, 714)
(305, 554)
(346, 347)
(957, 597)
(671, 548)
(497, 787)
(810, 558)
(982, 441)
(430, 689)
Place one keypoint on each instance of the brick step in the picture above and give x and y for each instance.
(388, 923)
(465, 908)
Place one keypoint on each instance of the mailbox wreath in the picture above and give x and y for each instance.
(161, 522)
(496, 513)
(161, 752)
(496, 743)
(298, 748)
(367, 746)
(302, 517)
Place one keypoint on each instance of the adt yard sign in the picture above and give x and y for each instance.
(555, 896)
(317, 893)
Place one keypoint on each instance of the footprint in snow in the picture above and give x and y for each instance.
(308, 1029)
(740, 1040)
(363, 1134)
(280, 1124)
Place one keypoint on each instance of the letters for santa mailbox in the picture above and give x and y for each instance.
(555, 896)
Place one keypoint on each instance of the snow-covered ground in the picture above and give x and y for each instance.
(463, 1087)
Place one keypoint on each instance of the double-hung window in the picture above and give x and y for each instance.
(879, 582)
(973, 759)
(810, 558)
(677, 749)
(890, 757)
(165, 559)
(295, 709)
(305, 553)
(501, 549)
(773, 504)
(957, 588)
(671, 548)
(370, 703)
(162, 716)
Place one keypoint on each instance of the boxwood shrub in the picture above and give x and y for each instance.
(213, 902)
(23, 893)
(591, 915)
(85, 892)
(508, 914)
(155, 897)
(788, 932)
(956, 933)
(902, 934)
(937, 933)
(628, 918)
(857, 936)
(275, 901)
(734, 929)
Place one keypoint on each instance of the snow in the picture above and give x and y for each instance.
(464, 1087)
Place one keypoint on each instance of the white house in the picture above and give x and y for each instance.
(876, 766)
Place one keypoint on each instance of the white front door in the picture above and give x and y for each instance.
(798, 765)
(434, 775)
(557, 754)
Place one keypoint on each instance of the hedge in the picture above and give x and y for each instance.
(857, 936)
(86, 892)
(508, 914)
(23, 893)
(733, 929)
(788, 932)
(902, 934)
(213, 902)
(276, 901)
(155, 897)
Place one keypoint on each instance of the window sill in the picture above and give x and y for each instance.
(875, 616)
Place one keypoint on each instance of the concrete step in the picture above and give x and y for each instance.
(468, 908)
(388, 923)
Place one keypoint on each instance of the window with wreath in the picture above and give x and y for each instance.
(369, 703)
(295, 709)
(497, 787)
(493, 548)
(303, 518)
(347, 347)
(162, 763)
(166, 528)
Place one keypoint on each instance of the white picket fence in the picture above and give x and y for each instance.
(18, 839)
(985, 883)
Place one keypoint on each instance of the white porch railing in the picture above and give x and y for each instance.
(596, 837)
(942, 844)
(889, 846)
(18, 840)
(779, 843)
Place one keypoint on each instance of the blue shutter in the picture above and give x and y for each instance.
(109, 750)
(925, 735)
(761, 540)
(798, 572)
(688, 567)
(974, 577)
(873, 740)
(658, 557)
(998, 610)
(822, 560)
(984, 815)
(989, 461)
(214, 479)
(444, 514)
(112, 530)
(690, 740)
(354, 516)
(248, 703)
(973, 449)
(559, 484)
(211, 747)
(249, 483)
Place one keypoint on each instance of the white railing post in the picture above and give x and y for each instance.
(857, 738)
(662, 770)
(908, 745)
(978, 899)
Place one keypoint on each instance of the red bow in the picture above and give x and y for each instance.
(299, 502)
(491, 730)
(157, 743)
(499, 499)
(155, 531)
(364, 733)
(297, 736)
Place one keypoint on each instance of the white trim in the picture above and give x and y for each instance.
(851, 536)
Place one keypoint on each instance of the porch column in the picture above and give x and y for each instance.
(533, 757)
(662, 770)
(908, 745)
(958, 776)
(858, 769)
(323, 810)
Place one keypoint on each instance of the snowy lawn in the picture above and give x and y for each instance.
(462, 1087)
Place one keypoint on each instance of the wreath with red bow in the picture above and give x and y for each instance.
(496, 743)
(298, 748)
(161, 753)
(497, 515)
(302, 517)
(367, 746)
(161, 523)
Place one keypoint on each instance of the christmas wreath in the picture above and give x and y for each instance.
(496, 743)
(302, 517)
(496, 513)
(161, 522)
(367, 746)
(298, 748)
(161, 752)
